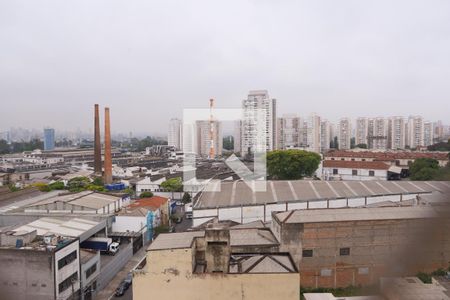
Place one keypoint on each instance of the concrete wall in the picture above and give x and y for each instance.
(7, 240)
(129, 223)
(26, 274)
(168, 275)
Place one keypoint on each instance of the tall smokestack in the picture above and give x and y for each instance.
(97, 143)
(108, 160)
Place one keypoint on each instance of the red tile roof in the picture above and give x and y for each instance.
(345, 164)
(152, 202)
(387, 155)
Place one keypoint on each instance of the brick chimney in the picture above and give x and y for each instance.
(97, 143)
(108, 159)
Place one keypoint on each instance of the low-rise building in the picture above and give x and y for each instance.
(150, 185)
(159, 206)
(33, 268)
(354, 170)
(202, 265)
(86, 202)
(357, 246)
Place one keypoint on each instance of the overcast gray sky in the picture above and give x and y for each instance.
(148, 60)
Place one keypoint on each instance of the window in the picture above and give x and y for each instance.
(363, 271)
(371, 173)
(344, 251)
(67, 259)
(335, 171)
(91, 270)
(354, 172)
(353, 159)
(325, 272)
(363, 159)
(342, 158)
(307, 253)
(68, 282)
(332, 158)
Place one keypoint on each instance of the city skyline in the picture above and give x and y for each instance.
(345, 63)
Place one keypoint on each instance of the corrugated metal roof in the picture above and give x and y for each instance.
(238, 193)
(70, 228)
(356, 214)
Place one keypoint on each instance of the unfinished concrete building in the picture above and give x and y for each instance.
(217, 263)
(356, 246)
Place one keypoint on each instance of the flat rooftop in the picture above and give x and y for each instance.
(87, 199)
(237, 193)
(178, 240)
(238, 237)
(323, 215)
(69, 228)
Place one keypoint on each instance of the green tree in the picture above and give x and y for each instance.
(186, 198)
(146, 195)
(291, 164)
(172, 185)
(78, 184)
(4, 147)
(424, 169)
(362, 146)
(98, 181)
(58, 185)
(43, 187)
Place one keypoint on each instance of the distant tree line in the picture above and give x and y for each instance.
(136, 144)
(17, 147)
(442, 146)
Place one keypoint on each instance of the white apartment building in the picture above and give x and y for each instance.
(345, 133)
(414, 132)
(174, 136)
(397, 133)
(428, 133)
(439, 132)
(237, 135)
(361, 131)
(256, 102)
(377, 129)
(313, 133)
(288, 131)
(325, 135)
(209, 139)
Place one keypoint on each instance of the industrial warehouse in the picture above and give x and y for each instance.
(236, 202)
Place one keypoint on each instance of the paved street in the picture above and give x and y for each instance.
(185, 224)
(108, 291)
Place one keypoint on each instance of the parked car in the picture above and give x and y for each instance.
(121, 289)
(129, 279)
